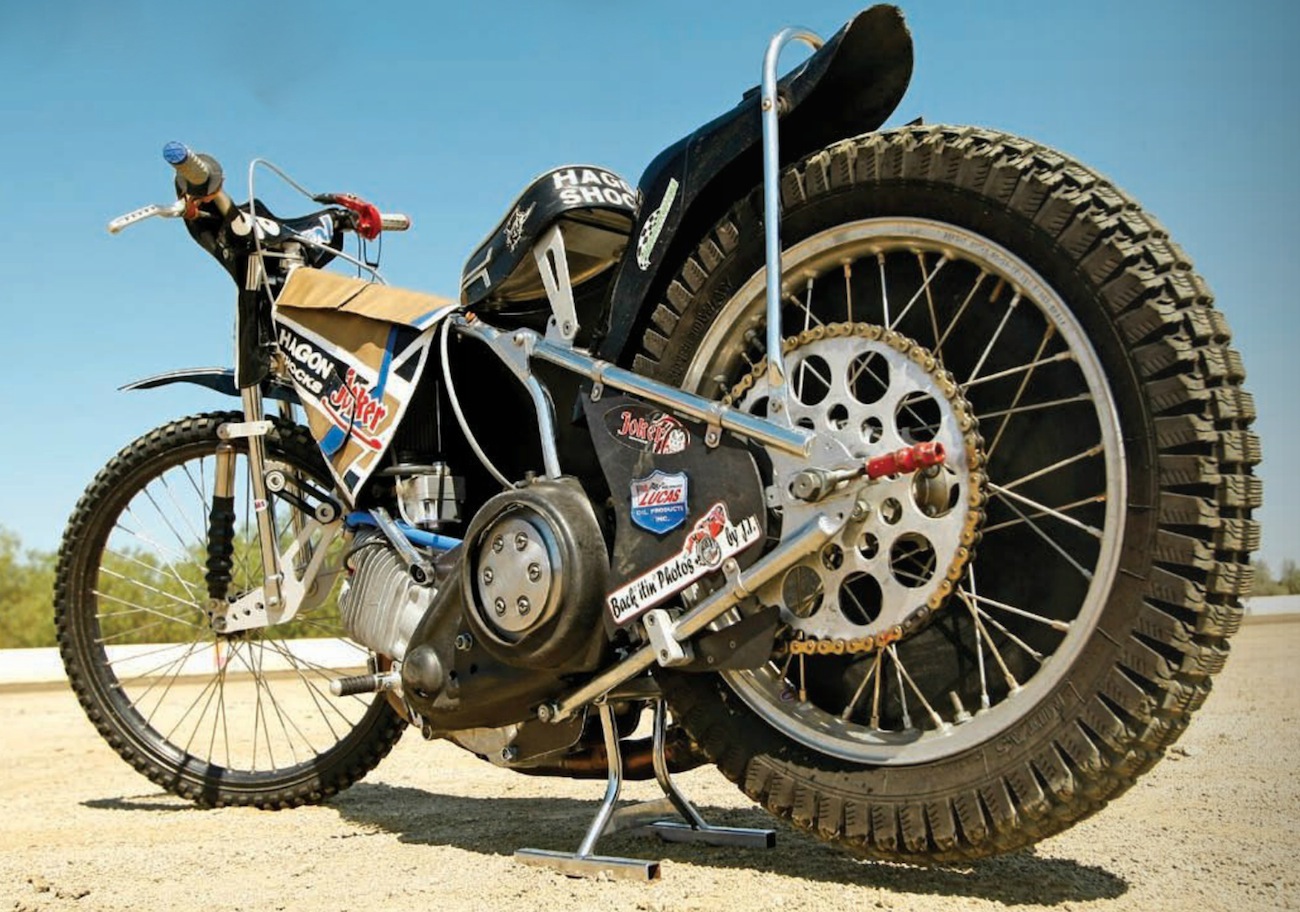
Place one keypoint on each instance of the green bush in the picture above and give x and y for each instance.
(26, 595)
(141, 600)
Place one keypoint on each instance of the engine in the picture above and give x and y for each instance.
(507, 613)
(380, 605)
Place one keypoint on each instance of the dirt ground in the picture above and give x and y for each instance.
(1214, 827)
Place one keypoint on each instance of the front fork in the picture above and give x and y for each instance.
(221, 515)
(257, 426)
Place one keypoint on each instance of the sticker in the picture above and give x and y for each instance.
(308, 365)
(643, 428)
(712, 540)
(355, 409)
(320, 233)
(515, 226)
(659, 501)
(592, 187)
(649, 236)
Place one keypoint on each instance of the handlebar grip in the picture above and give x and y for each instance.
(199, 175)
(188, 165)
(394, 221)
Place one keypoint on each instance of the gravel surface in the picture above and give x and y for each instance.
(1214, 827)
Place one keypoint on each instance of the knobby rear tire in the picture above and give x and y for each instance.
(1162, 630)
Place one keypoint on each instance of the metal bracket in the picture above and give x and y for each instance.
(233, 430)
(255, 608)
(612, 819)
(660, 629)
(421, 570)
(553, 265)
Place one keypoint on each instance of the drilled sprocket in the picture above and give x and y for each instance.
(907, 539)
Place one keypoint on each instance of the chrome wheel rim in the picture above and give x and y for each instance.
(1029, 599)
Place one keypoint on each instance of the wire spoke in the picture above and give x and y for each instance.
(158, 672)
(857, 695)
(970, 296)
(166, 521)
(806, 367)
(1087, 574)
(1095, 450)
(1011, 412)
(1087, 501)
(924, 289)
(130, 558)
(929, 296)
(884, 290)
(938, 721)
(325, 704)
(848, 290)
(997, 334)
(136, 609)
(1019, 612)
(1018, 369)
(1012, 684)
(902, 692)
(979, 646)
(184, 514)
(1003, 492)
(133, 581)
(168, 556)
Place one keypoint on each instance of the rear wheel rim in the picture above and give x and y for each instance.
(1028, 601)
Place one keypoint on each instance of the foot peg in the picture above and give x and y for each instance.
(648, 815)
(365, 684)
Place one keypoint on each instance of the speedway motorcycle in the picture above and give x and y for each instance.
(904, 474)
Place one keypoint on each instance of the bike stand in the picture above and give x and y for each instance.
(647, 814)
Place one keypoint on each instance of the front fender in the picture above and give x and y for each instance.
(220, 379)
(848, 87)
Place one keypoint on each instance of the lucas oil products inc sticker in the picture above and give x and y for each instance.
(659, 501)
(712, 539)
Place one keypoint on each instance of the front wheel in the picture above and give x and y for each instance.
(989, 652)
(241, 718)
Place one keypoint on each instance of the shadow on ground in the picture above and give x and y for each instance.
(498, 826)
(160, 801)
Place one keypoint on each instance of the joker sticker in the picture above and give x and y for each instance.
(659, 501)
(712, 539)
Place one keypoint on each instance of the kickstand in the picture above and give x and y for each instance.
(612, 819)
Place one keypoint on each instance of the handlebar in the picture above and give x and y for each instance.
(199, 178)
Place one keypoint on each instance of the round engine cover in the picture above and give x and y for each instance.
(535, 575)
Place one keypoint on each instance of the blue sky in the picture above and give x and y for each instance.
(445, 111)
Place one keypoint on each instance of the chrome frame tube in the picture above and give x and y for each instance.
(794, 441)
(772, 204)
(815, 533)
(266, 538)
(514, 349)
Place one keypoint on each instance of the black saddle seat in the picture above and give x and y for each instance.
(595, 209)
